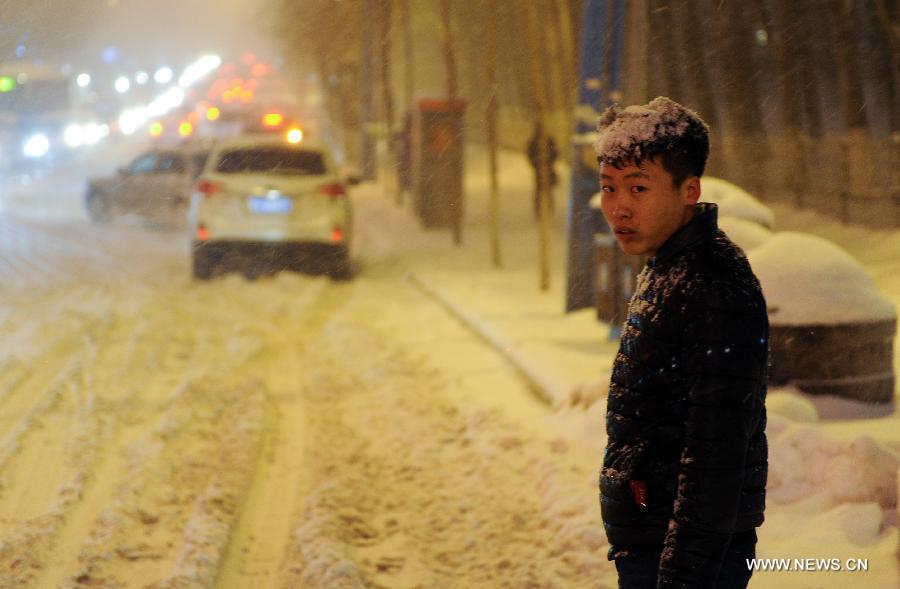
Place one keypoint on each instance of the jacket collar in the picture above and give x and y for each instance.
(704, 225)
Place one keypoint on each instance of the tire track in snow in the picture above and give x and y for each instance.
(261, 532)
(146, 394)
(77, 430)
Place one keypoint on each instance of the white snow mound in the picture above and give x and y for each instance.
(734, 201)
(747, 234)
(808, 280)
(805, 463)
(792, 406)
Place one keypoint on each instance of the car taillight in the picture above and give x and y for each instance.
(207, 187)
(202, 233)
(335, 191)
(337, 235)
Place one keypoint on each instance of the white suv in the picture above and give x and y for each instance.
(264, 203)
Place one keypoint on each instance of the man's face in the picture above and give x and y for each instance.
(643, 207)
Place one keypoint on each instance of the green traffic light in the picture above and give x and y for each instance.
(7, 83)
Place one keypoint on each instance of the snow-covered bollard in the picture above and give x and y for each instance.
(832, 332)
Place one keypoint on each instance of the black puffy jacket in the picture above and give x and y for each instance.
(686, 458)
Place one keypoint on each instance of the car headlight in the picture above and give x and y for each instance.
(36, 146)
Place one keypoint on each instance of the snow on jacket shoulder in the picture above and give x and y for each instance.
(686, 458)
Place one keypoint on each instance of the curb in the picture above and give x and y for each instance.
(539, 386)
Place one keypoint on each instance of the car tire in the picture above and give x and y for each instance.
(340, 265)
(97, 207)
(202, 261)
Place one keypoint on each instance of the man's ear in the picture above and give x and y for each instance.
(690, 190)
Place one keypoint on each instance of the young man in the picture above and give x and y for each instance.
(682, 488)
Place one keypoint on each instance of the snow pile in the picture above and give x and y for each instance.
(804, 462)
(734, 201)
(635, 132)
(746, 234)
(791, 405)
(808, 280)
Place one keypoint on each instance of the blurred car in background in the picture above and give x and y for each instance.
(265, 203)
(155, 186)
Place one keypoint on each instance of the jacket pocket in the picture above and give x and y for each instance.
(621, 495)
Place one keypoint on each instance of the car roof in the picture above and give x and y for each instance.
(267, 140)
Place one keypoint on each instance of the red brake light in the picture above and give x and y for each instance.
(337, 235)
(335, 191)
(208, 188)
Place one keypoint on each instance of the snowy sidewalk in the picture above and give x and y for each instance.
(566, 357)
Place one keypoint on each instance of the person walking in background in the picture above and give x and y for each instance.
(683, 483)
(547, 169)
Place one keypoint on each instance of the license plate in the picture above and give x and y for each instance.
(270, 206)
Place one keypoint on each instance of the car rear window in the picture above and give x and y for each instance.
(278, 160)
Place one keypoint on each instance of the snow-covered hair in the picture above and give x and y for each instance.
(661, 128)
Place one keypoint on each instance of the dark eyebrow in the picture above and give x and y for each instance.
(627, 176)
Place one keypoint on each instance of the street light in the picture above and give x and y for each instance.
(122, 84)
(83, 80)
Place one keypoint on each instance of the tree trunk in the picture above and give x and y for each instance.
(665, 59)
(883, 34)
(842, 18)
(793, 165)
(491, 127)
(387, 96)
(553, 64)
(685, 19)
(367, 90)
(567, 48)
(540, 101)
(744, 134)
(449, 49)
(637, 58)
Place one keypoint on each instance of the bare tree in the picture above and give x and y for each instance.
(387, 94)
(540, 103)
(842, 18)
(688, 26)
(791, 134)
(734, 41)
(882, 33)
(491, 128)
(449, 48)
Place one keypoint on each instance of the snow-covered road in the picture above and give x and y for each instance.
(283, 432)
(292, 432)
